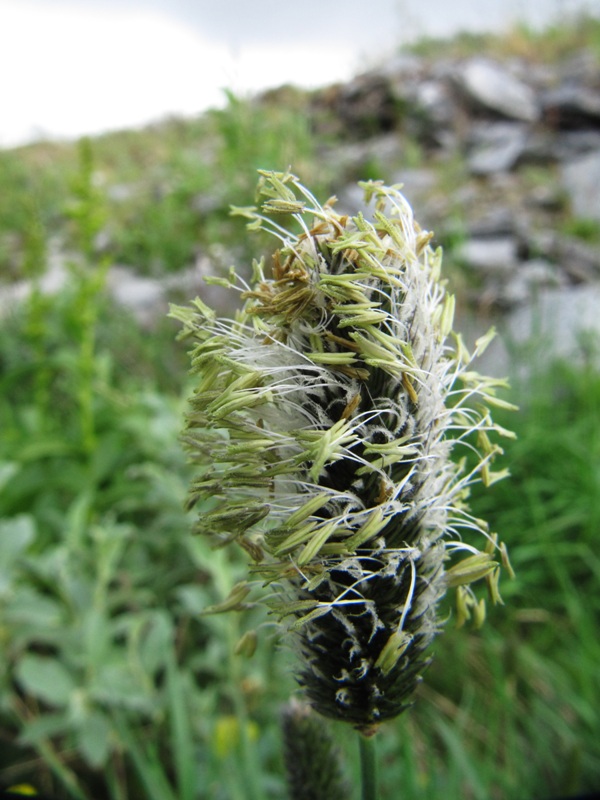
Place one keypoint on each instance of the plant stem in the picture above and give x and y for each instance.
(251, 788)
(368, 770)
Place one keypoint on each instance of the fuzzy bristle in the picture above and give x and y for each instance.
(323, 425)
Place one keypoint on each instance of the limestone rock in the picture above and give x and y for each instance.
(490, 85)
(490, 255)
(581, 179)
(571, 107)
(496, 147)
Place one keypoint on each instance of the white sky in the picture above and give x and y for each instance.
(65, 71)
(69, 67)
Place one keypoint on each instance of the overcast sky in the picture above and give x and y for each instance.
(70, 67)
(263, 21)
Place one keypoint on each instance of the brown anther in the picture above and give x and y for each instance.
(351, 407)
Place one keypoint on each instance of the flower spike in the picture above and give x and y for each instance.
(322, 425)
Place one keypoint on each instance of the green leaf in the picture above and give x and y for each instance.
(95, 636)
(116, 685)
(48, 447)
(146, 761)
(8, 469)
(178, 691)
(45, 727)
(45, 678)
(28, 609)
(94, 739)
(194, 599)
(77, 519)
(16, 535)
(154, 647)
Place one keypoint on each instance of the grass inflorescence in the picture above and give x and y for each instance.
(322, 425)
(115, 684)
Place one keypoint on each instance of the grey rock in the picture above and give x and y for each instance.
(539, 272)
(385, 150)
(581, 68)
(581, 179)
(558, 323)
(540, 148)
(571, 106)
(207, 203)
(122, 192)
(490, 85)
(418, 184)
(401, 68)
(148, 298)
(490, 255)
(493, 222)
(530, 277)
(434, 100)
(52, 281)
(366, 105)
(351, 200)
(143, 297)
(496, 147)
(192, 282)
(417, 180)
(546, 197)
(578, 260)
(569, 145)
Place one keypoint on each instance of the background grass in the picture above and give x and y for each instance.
(113, 684)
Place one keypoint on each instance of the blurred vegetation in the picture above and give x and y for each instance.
(113, 683)
(167, 188)
(567, 37)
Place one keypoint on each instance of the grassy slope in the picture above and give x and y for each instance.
(169, 186)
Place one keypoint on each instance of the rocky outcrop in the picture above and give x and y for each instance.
(507, 175)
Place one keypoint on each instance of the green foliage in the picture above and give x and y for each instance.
(171, 185)
(104, 654)
(259, 136)
(158, 227)
(114, 685)
(100, 588)
(33, 185)
(583, 228)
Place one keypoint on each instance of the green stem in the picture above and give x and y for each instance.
(251, 788)
(368, 769)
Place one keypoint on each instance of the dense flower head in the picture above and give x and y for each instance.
(323, 423)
